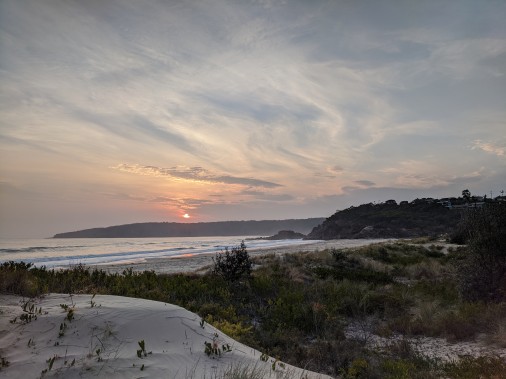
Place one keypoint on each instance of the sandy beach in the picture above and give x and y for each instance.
(192, 263)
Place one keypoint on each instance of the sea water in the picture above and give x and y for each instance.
(61, 253)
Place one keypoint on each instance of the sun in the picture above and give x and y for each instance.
(186, 215)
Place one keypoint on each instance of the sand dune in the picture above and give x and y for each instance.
(101, 339)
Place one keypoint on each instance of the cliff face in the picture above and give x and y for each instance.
(202, 229)
(388, 220)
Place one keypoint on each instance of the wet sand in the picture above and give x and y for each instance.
(192, 263)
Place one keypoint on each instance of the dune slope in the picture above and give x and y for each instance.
(102, 336)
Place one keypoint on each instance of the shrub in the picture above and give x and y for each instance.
(233, 265)
(486, 367)
(18, 278)
(482, 275)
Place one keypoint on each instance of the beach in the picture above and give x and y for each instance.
(194, 263)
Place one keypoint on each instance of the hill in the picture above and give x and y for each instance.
(200, 229)
(388, 220)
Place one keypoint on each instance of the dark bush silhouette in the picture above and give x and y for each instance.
(233, 265)
(482, 275)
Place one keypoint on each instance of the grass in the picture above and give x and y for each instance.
(296, 307)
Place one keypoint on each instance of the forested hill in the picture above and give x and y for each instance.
(388, 220)
(201, 229)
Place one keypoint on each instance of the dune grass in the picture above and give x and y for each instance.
(296, 307)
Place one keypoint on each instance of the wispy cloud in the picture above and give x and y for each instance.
(193, 174)
(267, 101)
(263, 196)
(489, 147)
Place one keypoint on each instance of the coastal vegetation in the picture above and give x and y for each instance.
(421, 217)
(321, 310)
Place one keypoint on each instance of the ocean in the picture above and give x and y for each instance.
(63, 253)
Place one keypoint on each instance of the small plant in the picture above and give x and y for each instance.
(70, 314)
(63, 327)
(27, 317)
(50, 363)
(264, 357)
(92, 303)
(30, 312)
(142, 353)
(3, 363)
(278, 363)
(213, 349)
(99, 357)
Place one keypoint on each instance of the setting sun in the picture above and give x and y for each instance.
(186, 215)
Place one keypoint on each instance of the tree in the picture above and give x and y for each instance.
(233, 265)
(482, 275)
(466, 194)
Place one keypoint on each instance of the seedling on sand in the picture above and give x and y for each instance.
(70, 314)
(63, 327)
(213, 350)
(50, 363)
(30, 312)
(264, 358)
(277, 362)
(142, 353)
(3, 363)
(99, 358)
(69, 310)
(92, 303)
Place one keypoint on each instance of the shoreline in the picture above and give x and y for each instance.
(198, 262)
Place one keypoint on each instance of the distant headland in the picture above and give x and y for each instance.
(200, 229)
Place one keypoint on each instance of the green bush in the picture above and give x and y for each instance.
(233, 265)
(482, 275)
(485, 367)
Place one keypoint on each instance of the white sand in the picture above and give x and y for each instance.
(174, 340)
(191, 263)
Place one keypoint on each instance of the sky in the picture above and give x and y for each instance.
(123, 111)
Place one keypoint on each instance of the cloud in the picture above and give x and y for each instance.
(124, 196)
(298, 100)
(365, 183)
(263, 196)
(184, 203)
(488, 147)
(193, 174)
(330, 172)
(426, 175)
